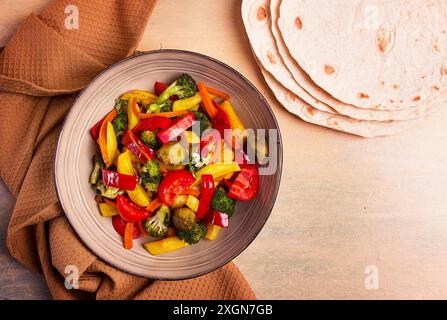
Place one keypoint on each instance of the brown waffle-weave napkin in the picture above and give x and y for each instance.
(41, 68)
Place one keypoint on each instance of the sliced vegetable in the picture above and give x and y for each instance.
(192, 191)
(119, 180)
(213, 232)
(154, 205)
(246, 184)
(173, 184)
(233, 118)
(159, 87)
(187, 103)
(139, 95)
(206, 196)
(128, 235)
(220, 121)
(120, 225)
(165, 245)
(171, 114)
(217, 218)
(132, 147)
(132, 114)
(124, 166)
(102, 139)
(177, 128)
(192, 203)
(107, 210)
(144, 149)
(217, 170)
(218, 93)
(179, 201)
(94, 131)
(153, 123)
(129, 211)
(172, 154)
(206, 101)
(191, 137)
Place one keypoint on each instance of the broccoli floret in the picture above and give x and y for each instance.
(151, 175)
(222, 203)
(150, 139)
(120, 105)
(165, 106)
(197, 232)
(183, 87)
(107, 192)
(203, 120)
(120, 123)
(157, 225)
(96, 172)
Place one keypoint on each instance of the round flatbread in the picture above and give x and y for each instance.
(256, 18)
(304, 81)
(363, 128)
(375, 54)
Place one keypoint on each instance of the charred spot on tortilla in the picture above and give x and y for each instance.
(437, 88)
(396, 86)
(310, 110)
(299, 23)
(417, 98)
(262, 13)
(444, 71)
(328, 69)
(362, 95)
(385, 38)
(271, 57)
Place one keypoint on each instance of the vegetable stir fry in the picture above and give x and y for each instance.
(165, 168)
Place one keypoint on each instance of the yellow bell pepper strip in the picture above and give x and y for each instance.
(187, 103)
(217, 170)
(233, 118)
(212, 232)
(165, 245)
(107, 210)
(206, 101)
(192, 203)
(218, 93)
(140, 96)
(111, 142)
(191, 137)
(132, 114)
(102, 139)
(139, 195)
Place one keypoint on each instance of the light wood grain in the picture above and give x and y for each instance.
(344, 203)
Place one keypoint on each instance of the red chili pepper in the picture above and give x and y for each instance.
(145, 150)
(153, 124)
(132, 147)
(217, 218)
(173, 184)
(177, 128)
(129, 211)
(246, 184)
(120, 225)
(206, 196)
(119, 180)
(159, 87)
(95, 130)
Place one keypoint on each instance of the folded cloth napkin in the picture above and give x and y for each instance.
(41, 68)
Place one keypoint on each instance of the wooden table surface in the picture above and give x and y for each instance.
(346, 204)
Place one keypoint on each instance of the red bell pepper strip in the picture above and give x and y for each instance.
(120, 225)
(177, 128)
(145, 150)
(129, 211)
(227, 183)
(217, 218)
(159, 87)
(173, 184)
(119, 180)
(206, 196)
(137, 152)
(95, 130)
(246, 184)
(220, 122)
(153, 124)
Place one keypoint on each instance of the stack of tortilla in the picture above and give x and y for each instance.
(366, 67)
